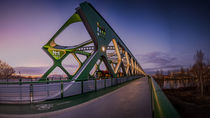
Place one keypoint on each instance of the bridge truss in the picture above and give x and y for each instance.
(108, 49)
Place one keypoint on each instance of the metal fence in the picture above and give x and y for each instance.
(31, 92)
(162, 107)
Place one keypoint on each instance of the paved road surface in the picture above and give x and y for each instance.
(130, 101)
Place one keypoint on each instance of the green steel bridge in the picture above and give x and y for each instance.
(122, 90)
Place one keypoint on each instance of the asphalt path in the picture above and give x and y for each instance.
(130, 101)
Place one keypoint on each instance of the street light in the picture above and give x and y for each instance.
(103, 49)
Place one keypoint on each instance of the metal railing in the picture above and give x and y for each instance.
(162, 107)
(31, 92)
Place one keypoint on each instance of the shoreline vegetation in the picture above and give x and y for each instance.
(188, 89)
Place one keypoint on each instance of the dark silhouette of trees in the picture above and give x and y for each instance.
(157, 74)
(182, 76)
(169, 73)
(6, 70)
(199, 70)
(196, 76)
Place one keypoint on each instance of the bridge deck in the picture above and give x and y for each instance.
(132, 100)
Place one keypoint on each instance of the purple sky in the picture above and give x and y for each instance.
(161, 34)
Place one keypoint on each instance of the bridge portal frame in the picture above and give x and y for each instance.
(102, 35)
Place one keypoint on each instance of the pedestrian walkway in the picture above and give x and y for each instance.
(130, 101)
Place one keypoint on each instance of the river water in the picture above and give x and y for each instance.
(175, 84)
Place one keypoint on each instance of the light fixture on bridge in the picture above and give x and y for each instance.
(103, 49)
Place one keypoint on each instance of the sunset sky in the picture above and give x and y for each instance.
(162, 34)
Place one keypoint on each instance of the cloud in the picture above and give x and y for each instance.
(40, 70)
(158, 60)
(30, 70)
(70, 66)
(150, 62)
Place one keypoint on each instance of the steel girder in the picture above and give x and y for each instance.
(102, 35)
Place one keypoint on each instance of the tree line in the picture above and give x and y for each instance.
(6, 71)
(198, 74)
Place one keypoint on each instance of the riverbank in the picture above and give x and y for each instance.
(189, 103)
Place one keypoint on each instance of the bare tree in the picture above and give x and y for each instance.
(182, 76)
(6, 70)
(157, 74)
(161, 74)
(199, 69)
(169, 74)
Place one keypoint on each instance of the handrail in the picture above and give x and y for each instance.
(33, 93)
(162, 107)
(41, 82)
(35, 82)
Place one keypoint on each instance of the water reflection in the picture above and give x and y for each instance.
(175, 84)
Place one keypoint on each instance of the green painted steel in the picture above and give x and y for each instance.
(101, 35)
(162, 107)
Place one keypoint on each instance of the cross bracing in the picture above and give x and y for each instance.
(107, 50)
